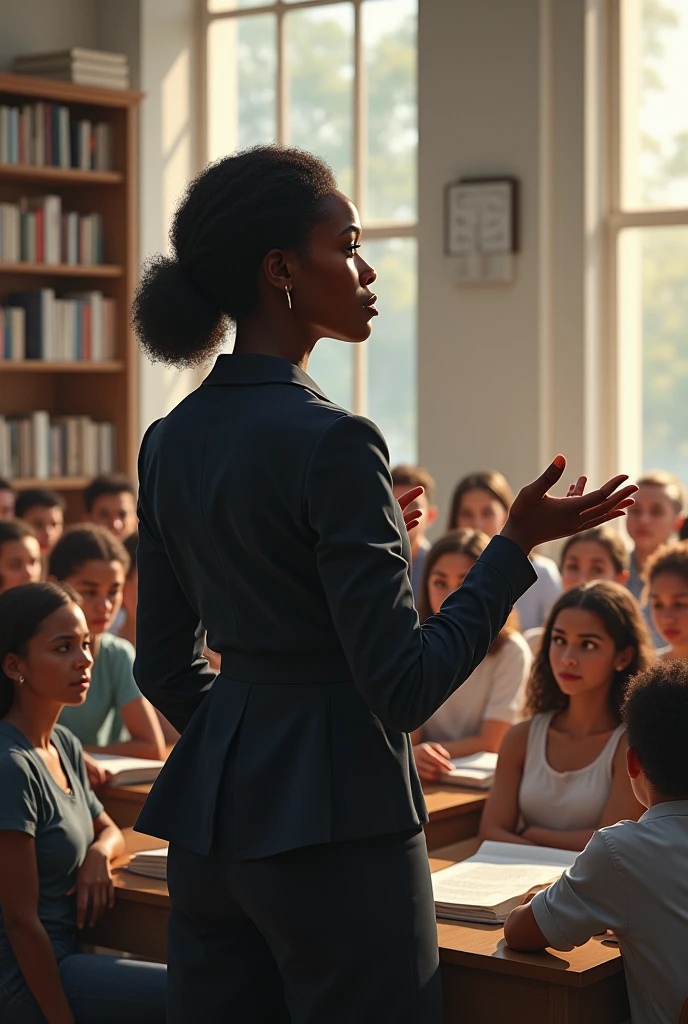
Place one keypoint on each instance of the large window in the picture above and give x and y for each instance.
(649, 229)
(339, 79)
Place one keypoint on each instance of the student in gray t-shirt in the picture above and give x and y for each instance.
(632, 877)
(56, 842)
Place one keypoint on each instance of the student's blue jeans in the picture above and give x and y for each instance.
(99, 989)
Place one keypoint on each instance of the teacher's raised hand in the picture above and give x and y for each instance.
(536, 516)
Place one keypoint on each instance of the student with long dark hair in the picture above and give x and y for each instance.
(562, 773)
(291, 801)
(56, 842)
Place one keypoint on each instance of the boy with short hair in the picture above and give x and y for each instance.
(110, 501)
(7, 499)
(656, 517)
(44, 511)
(632, 877)
(20, 555)
(404, 478)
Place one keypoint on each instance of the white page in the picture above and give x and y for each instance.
(499, 872)
(120, 763)
(483, 761)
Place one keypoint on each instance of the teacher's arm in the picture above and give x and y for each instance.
(403, 670)
(170, 668)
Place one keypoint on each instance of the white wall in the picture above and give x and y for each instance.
(30, 26)
(504, 370)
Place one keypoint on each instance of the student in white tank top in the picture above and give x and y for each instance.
(478, 714)
(562, 774)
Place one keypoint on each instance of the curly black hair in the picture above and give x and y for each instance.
(656, 715)
(231, 215)
(623, 621)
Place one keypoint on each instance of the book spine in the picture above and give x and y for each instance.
(39, 134)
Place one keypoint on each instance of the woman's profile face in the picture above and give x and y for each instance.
(331, 290)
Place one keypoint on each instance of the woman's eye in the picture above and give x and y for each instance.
(351, 249)
(557, 641)
(588, 645)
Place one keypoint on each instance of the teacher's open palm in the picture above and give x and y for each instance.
(536, 516)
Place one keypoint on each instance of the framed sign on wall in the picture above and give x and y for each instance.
(481, 229)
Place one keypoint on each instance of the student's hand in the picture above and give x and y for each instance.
(536, 516)
(432, 761)
(97, 774)
(413, 517)
(94, 888)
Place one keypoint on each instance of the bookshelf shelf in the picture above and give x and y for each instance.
(63, 269)
(48, 366)
(82, 393)
(56, 483)
(58, 175)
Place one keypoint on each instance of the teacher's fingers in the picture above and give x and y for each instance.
(622, 499)
(409, 496)
(539, 487)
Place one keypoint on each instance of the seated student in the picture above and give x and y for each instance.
(404, 477)
(20, 554)
(481, 501)
(116, 718)
(44, 511)
(596, 554)
(478, 714)
(656, 517)
(631, 877)
(561, 774)
(56, 842)
(7, 500)
(667, 590)
(110, 501)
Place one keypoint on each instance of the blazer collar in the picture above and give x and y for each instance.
(245, 368)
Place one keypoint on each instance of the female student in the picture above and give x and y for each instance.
(292, 786)
(56, 842)
(478, 714)
(562, 774)
(667, 590)
(481, 501)
(596, 554)
(20, 554)
(116, 718)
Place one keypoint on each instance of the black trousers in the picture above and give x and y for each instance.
(342, 933)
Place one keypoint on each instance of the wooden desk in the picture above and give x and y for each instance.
(483, 982)
(454, 812)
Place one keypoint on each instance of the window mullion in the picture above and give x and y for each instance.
(282, 79)
(360, 395)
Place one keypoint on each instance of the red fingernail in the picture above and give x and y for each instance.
(560, 462)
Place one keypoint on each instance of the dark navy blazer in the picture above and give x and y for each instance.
(266, 513)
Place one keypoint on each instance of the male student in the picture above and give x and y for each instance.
(632, 878)
(404, 477)
(110, 501)
(44, 511)
(656, 517)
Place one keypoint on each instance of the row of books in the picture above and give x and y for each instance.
(34, 445)
(35, 230)
(77, 64)
(39, 325)
(46, 135)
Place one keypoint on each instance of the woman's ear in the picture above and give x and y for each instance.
(276, 269)
(623, 658)
(12, 666)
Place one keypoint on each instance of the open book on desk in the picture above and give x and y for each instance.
(486, 887)
(128, 771)
(151, 863)
(476, 771)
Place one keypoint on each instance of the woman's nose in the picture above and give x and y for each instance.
(366, 274)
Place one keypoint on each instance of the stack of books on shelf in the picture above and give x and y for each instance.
(78, 65)
(76, 326)
(36, 445)
(46, 135)
(35, 230)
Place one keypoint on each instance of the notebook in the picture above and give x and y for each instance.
(151, 863)
(128, 771)
(486, 887)
(476, 770)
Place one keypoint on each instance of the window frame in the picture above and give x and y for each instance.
(372, 230)
(626, 376)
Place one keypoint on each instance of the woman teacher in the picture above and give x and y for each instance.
(298, 872)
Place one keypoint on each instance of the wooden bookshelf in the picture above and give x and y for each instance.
(101, 390)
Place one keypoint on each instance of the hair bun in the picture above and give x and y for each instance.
(176, 323)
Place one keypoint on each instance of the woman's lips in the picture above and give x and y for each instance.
(568, 677)
(671, 634)
(81, 685)
(369, 304)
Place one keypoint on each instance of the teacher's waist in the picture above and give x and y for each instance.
(274, 668)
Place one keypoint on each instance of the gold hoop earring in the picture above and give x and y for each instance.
(288, 291)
